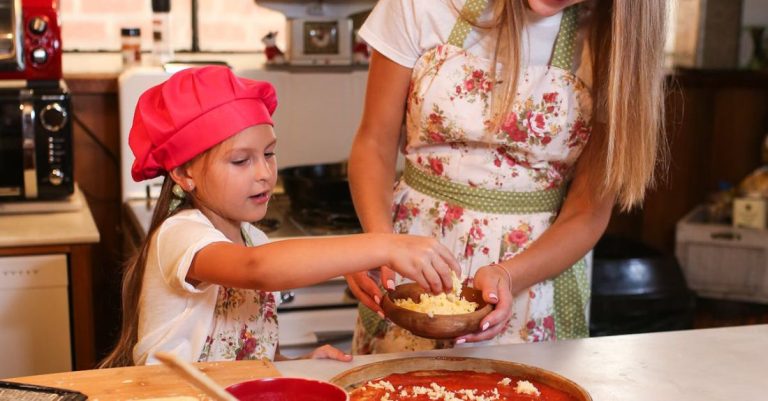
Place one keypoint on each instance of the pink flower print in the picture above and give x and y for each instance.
(435, 118)
(469, 84)
(452, 215)
(458, 89)
(536, 122)
(436, 137)
(579, 133)
(549, 323)
(550, 97)
(530, 325)
(469, 250)
(509, 123)
(497, 162)
(249, 345)
(415, 211)
(402, 213)
(518, 237)
(436, 165)
(545, 140)
(510, 127)
(486, 250)
(477, 74)
(476, 233)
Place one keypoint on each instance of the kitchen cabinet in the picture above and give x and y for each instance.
(69, 235)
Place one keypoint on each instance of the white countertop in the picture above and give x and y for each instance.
(73, 225)
(721, 364)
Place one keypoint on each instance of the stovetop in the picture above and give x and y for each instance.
(280, 221)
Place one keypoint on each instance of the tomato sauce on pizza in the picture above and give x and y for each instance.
(448, 385)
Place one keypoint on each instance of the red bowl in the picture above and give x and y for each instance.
(287, 389)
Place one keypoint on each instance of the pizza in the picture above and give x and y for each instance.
(451, 385)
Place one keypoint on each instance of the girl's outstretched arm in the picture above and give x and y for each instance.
(297, 263)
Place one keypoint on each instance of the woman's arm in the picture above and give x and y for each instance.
(582, 220)
(372, 160)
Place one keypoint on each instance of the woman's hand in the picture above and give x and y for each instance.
(424, 260)
(494, 281)
(366, 290)
(328, 352)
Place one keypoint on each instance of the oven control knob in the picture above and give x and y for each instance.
(39, 56)
(56, 177)
(53, 117)
(38, 25)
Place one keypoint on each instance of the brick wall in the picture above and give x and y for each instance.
(223, 25)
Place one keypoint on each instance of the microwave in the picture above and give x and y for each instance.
(30, 40)
(36, 161)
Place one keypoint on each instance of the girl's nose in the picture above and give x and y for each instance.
(264, 169)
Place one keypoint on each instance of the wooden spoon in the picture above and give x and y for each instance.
(194, 376)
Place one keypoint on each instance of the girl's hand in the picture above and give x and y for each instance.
(494, 281)
(423, 260)
(366, 290)
(328, 352)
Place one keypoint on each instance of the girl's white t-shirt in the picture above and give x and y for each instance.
(175, 316)
(403, 30)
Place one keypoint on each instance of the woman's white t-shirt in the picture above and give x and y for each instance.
(175, 316)
(403, 30)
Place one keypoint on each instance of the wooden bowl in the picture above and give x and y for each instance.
(356, 377)
(437, 326)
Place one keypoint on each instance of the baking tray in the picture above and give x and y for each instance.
(356, 377)
(10, 391)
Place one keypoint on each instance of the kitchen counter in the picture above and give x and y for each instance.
(73, 224)
(704, 365)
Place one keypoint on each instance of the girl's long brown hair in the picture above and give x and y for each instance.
(122, 354)
(626, 39)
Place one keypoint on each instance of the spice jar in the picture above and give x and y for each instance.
(131, 46)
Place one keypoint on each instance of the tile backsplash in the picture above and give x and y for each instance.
(223, 25)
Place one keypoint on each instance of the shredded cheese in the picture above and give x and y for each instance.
(526, 387)
(440, 304)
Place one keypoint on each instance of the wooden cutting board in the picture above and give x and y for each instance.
(155, 381)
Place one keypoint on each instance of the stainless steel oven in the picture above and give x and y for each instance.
(35, 144)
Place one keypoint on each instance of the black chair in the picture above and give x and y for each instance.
(636, 289)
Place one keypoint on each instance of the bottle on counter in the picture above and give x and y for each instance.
(162, 49)
(130, 48)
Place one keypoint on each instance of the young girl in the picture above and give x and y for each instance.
(201, 284)
(526, 121)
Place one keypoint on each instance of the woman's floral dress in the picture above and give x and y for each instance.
(534, 150)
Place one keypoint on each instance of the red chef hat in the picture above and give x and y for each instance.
(192, 111)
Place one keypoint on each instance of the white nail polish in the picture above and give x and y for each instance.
(390, 285)
(376, 299)
(486, 325)
(493, 296)
(460, 341)
(382, 316)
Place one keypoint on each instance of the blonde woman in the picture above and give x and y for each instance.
(526, 121)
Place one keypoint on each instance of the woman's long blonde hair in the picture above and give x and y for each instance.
(122, 354)
(626, 38)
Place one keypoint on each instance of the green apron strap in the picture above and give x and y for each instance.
(482, 199)
(572, 291)
(565, 43)
(471, 10)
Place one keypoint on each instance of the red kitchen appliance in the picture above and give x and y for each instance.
(30, 40)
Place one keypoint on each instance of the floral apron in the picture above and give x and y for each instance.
(489, 195)
(244, 325)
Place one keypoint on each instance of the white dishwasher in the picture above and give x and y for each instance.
(34, 315)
